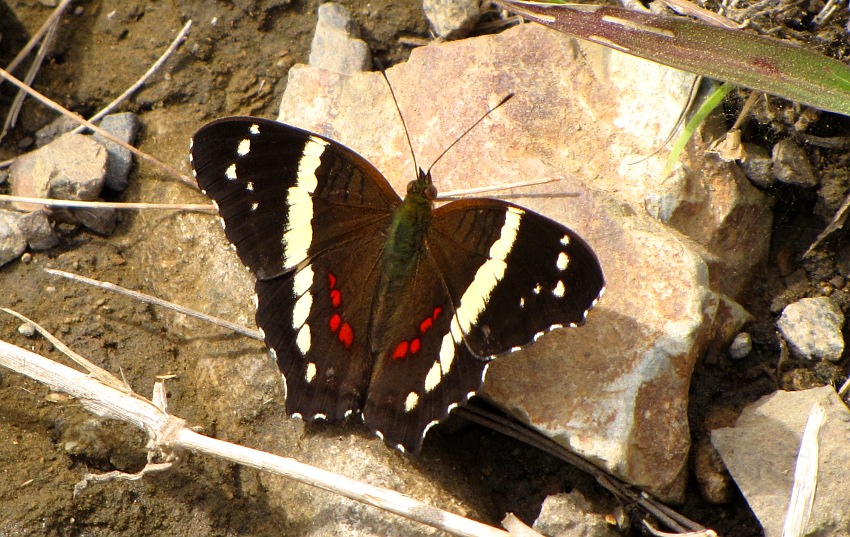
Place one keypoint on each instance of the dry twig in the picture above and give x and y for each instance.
(168, 434)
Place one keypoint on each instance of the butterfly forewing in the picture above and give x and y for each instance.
(523, 273)
(271, 180)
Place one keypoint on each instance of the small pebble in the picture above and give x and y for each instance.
(741, 346)
(26, 258)
(26, 330)
(812, 328)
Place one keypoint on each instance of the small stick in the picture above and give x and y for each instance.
(167, 433)
(132, 89)
(148, 299)
(95, 371)
(38, 35)
(18, 103)
(480, 189)
(111, 205)
(76, 117)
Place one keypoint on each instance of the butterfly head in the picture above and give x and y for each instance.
(423, 187)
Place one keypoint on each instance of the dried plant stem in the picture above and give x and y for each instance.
(111, 205)
(148, 299)
(60, 9)
(140, 82)
(59, 108)
(18, 103)
(168, 433)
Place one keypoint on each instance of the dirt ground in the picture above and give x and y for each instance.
(235, 63)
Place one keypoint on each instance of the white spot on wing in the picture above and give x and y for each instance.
(565, 240)
(432, 380)
(379, 434)
(558, 291)
(304, 300)
(273, 353)
(428, 427)
(254, 206)
(255, 129)
(489, 274)
(537, 289)
(411, 401)
(230, 172)
(244, 147)
(249, 186)
(297, 416)
(447, 353)
(320, 417)
(302, 340)
(310, 374)
(563, 261)
(297, 239)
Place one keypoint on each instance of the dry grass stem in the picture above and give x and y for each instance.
(144, 78)
(95, 371)
(112, 205)
(444, 196)
(167, 433)
(148, 299)
(60, 9)
(76, 117)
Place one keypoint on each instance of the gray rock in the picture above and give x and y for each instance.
(791, 164)
(629, 413)
(38, 231)
(125, 127)
(761, 454)
(336, 45)
(12, 241)
(100, 220)
(73, 167)
(53, 130)
(741, 346)
(757, 166)
(452, 19)
(569, 515)
(812, 328)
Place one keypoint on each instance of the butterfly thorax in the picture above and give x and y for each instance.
(406, 236)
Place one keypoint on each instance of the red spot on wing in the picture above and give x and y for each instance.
(415, 345)
(334, 322)
(346, 335)
(437, 311)
(400, 350)
(336, 298)
(425, 325)
(331, 280)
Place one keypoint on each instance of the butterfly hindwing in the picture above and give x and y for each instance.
(315, 322)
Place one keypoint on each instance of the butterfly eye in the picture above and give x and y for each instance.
(431, 192)
(411, 186)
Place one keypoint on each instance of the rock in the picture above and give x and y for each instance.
(125, 127)
(73, 167)
(713, 480)
(53, 130)
(757, 166)
(452, 19)
(38, 231)
(100, 220)
(791, 164)
(741, 346)
(336, 44)
(12, 241)
(812, 328)
(26, 330)
(568, 515)
(661, 309)
(761, 454)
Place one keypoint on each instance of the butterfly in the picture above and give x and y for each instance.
(379, 306)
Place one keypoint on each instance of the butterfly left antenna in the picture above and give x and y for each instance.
(403, 124)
